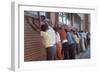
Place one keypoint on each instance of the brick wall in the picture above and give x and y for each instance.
(33, 49)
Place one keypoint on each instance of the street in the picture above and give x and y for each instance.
(84, 55)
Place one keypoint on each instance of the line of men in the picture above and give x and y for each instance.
(61, 42)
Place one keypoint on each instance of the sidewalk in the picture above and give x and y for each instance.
(84, 55)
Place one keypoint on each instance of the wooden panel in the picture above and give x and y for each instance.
(33, 49)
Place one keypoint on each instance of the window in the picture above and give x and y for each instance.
(42, 13)
(63, 18)
(60, 17)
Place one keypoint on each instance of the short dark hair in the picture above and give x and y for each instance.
(44, 27)
(43, 17)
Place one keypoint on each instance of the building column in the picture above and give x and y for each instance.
(52, 18)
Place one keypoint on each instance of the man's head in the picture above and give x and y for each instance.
(42, 17)
(44, 27)
(56, 29)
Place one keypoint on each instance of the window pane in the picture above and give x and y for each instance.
(48, 15)
(64, 20)
(60, 19)
(43, 13)
(68, 18)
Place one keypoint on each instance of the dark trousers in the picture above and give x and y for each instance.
(88, 42)
(77, 48)
(65, 50)
(85, 42)
(81, 48)
(72, 51)
(51, 53)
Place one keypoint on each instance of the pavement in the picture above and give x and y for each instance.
(84, 55)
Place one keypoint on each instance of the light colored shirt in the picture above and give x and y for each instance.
(45, 39)
(83, 34)
(76, 38)
(52, 36)
(57, 38)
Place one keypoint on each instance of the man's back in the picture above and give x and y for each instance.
(62, 33)
(52, 35)
(70, 38)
